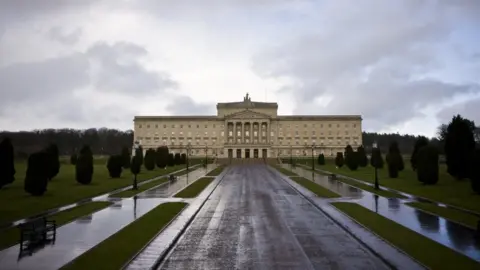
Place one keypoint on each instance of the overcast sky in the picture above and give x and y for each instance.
(405, 66)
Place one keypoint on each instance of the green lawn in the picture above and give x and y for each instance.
(130, 193)
(447, 190)
(63, 189)
(315, 188)
(217, 171)
(10, 237)
(119, 248)
(195, 188)
(285, 171)
(426, 251)
(384, 193)
(461, 217)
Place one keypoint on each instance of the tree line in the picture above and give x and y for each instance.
(105, 141)
(457, 140)
(44, 165)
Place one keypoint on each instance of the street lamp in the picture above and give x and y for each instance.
(189, 146)
(291, 159)
(375, 163)
(136, 146)
(313, 159)
(206, 150)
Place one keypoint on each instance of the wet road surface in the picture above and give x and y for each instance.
(448, 233)
(254, 220)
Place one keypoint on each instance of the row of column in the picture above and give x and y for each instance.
(262, 129)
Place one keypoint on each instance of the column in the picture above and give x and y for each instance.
(243, 132)
(251, 132)
(269, 132)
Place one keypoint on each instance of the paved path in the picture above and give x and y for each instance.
(77, 237)
(254, 220)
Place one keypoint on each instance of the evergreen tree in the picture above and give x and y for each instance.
(419, 143)
(149, 161)
(139, 154)
(171, 160)
(84, 166)
(7, 162)
(178, 159)
(459, 146)
(376, 160)
(115, 164)
(394, 160)
(161, 157)
(53, 162)
(135, 169)
(427, 165)
(339, 160)
(475, 171)
(321, 159)
(125, 157)
(351, 158)
(362, 157)
(36, 177)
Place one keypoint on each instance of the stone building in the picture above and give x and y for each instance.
(249, 129)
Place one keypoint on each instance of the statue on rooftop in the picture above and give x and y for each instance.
(246, 98)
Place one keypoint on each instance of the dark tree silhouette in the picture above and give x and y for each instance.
(7, 162)
(459, 146)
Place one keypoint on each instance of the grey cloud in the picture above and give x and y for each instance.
(63, 36)
(469, 109)
(121, 71)
(370, 60)
(184, 105)
(38, 81)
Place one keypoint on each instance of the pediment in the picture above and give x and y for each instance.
(247, 114)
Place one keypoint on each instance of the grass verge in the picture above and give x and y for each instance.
(383, 193)
(132, 192)
(63, 190)
(217, 171)
(119, 248)
(10, 237)
(426, 251)
(448, 190)
(461, 217)
(315, 188)
(285, 171)
(195, 188)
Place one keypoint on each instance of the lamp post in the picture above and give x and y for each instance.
(313, 158)
(136, 146)
(206, 151)
(189, 146)
(375, 163)
(291, 159)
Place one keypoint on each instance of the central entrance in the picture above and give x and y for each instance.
(239, 153)
(264, 153)
(255, 153)
(230, 153)
(247, 153)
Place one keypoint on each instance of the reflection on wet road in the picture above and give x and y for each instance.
(444, 231)
(254, 220)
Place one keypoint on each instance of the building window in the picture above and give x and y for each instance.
(329, 125)
(354, 125)
(213, 125)
(222, 134)
(304, 125)
(139, 126)
(271, 133)
(206, 126)
(313, 132)
(181, 126)
(173, 132)
(164, 126)
(206, 133)
(198, 126)
(230, 133)
(156, 126)
(173, 126)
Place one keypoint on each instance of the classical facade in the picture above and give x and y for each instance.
(249, 129)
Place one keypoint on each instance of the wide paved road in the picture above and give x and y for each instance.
(254, 220)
